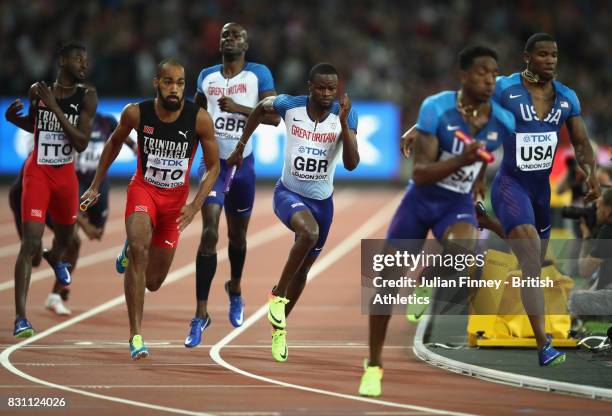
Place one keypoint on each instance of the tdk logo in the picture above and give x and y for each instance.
(168, 162)
(538, 138)
(314, 151)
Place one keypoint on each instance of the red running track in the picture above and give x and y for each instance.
(85, 359)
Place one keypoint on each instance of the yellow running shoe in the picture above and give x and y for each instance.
(371, 380)
(276, 311)
(138, 349)
(279, 345)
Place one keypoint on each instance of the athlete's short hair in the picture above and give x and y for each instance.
(469, 54)
(537, 37)
(64, 49)
(167, 61)
(322, 68)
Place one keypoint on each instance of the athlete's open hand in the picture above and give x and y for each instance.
(345, 107)
(12, 113)
(46, 95)
(89, 198)
(187, 213)
(594, 191)
(227, 104)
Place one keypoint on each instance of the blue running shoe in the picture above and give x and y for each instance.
(548, 356)
(198, 325)
(138, 348)
(121, 261)
(23, 328)
(236, 308)
(61, 269)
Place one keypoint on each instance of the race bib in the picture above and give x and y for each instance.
(87, 161)
(54, 149)
(165, 172)
(310, 163)
(535, 151)
(461, 180)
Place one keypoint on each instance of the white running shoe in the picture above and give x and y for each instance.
(54, 303)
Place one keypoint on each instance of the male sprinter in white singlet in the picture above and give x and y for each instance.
(228, 91)
(319, 130)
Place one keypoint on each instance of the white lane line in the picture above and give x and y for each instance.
(259, 238)
(152, 386)
(366, 229)
(13, 249)
(94, 258)
(102, 256)
(397, 413)
(264, 236)
(141, 365)
(90, 259)
(180, 345)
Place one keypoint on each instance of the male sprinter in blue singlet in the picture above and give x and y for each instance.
(521, 189)
(319, 130)
(439, 196)
(229, 92)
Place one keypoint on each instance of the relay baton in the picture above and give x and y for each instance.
(228, 179)
(86, 203)
(482, 152)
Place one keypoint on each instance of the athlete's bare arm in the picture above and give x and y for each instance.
(24, 122)
(261, 110)
(350, 153)
(210, 151)
(200, 100)
(77, 136)
(478, 190)
(130, 117)
(584, 155)
(228, 105)
(427, 170)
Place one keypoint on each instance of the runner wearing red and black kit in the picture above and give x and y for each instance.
(160, 185)
(169, 129)
(91, 222)
(61, 119)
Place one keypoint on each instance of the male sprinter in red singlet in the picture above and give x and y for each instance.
(169, 129)
(61, 118)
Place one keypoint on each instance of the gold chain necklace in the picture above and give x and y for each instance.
(530, 76)
(467, 111)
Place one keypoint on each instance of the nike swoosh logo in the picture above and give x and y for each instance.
(451, 128)
(295, 119)
(459, 216)
(284, 356)
(545, 228)
(515, 96)
(278, 321)
(419, 315)
(243, 209)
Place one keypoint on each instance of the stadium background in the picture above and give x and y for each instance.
(391, 54)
